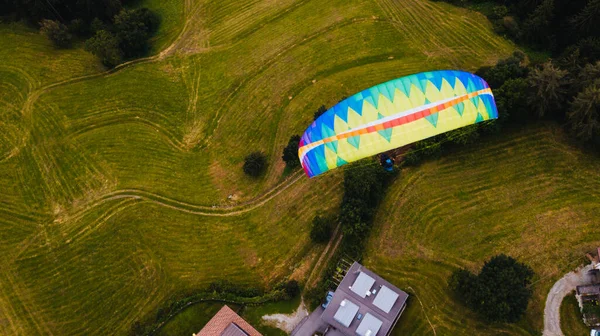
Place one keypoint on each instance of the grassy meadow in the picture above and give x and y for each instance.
(571, 319)
(115, 185)
(525, 193)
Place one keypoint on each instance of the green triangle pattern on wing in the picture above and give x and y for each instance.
(332, 145)
(340, 161)
(354, 141)
(386, 134)
(433, 119)
(479, 118)
(460, 107)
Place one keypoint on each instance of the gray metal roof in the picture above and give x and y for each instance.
(233, 330)
(362, 284)
(346, 312)
(369, 326)
(365, 303)
(385, 299)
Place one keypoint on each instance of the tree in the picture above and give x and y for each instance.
(321, 230)
(363, 189)
(364, 182)
(255, 164)
(588, 19)
(57, 32)
(134, 28)
(322, 109)
(428, 148)
(499, 293)
(537, 28)
(504, 70)
(511, 100)
(584, 113)
(354, 217)
(137, 329)
(587, 76)
(106, 46)
(290, 152)
(462, 283)
(549, 85)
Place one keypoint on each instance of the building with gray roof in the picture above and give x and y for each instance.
(364, 304)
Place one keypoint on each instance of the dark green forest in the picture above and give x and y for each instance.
(111, 31)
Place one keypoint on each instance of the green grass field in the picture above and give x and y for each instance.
(571, 319)
(524, 193)
(115, 185)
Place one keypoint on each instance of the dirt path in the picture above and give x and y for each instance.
(562, 288)
(328, 252)
(287, 322)
(197, 209)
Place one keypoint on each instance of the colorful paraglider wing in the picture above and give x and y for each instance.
(394, 114)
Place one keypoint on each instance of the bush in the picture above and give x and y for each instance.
(106, 46)
(498, 12)
(511, 26)
(255, 164)
(292, 288)
(226, 287)
(78, 27)
(315, 296)
(500, 293)
(290, 152)
(463, 136)
(57, 32)
(97, 25)
(428, 148)
(322, 228)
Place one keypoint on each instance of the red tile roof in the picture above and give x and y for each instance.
(222, 320)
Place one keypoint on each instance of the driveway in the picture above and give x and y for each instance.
(287, 322)
(309, 325)
(561, 289)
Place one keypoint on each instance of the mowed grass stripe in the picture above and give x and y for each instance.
(125, 203)
(534, 199)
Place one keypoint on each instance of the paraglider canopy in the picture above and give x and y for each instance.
(394, 114)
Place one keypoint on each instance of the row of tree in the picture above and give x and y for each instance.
(569, 95)
(70, 12)
(525, 94)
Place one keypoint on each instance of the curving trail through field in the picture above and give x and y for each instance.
(202, 210)
(527, 194)
(117, 181)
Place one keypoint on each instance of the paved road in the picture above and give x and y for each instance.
(310, 324)
(561, 289)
